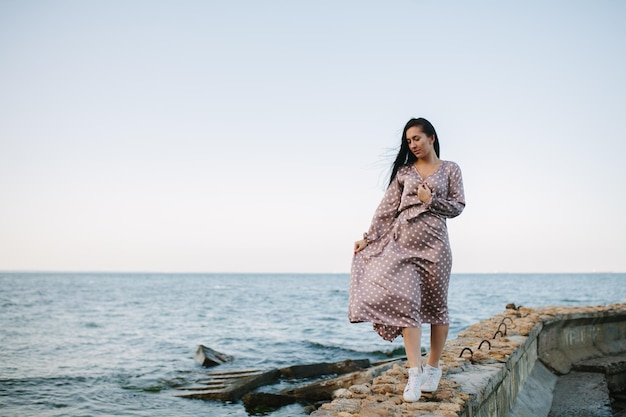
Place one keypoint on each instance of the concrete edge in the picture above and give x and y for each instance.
(510, 379)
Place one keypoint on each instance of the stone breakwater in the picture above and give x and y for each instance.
(485, 367)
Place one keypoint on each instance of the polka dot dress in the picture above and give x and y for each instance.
(401, 278)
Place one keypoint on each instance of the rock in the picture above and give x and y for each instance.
(442, 395)
(207, 357)
(341, 393)
(388, 380)
(339, 406)
(381, 388)
(362, 389)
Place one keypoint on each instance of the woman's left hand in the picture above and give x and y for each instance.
(425, 193)
(359, 245)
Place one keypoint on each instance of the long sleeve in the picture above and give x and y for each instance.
(386, 212)
(453, 204)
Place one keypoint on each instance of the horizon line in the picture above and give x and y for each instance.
(52, 271)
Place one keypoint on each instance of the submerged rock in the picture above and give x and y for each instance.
(207, 357)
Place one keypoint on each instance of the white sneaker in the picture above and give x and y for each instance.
(412, 390)
(431, 378)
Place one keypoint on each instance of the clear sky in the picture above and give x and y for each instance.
(256, 136)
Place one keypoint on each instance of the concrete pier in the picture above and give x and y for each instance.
(528, 364)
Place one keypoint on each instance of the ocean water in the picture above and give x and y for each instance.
(120, 344)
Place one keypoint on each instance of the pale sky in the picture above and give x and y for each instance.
(256, 136)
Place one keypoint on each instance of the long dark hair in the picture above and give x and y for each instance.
(405, 156)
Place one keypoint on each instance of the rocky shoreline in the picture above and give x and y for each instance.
(492, 341)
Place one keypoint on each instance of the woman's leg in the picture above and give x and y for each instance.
(438, 336)
(413, 345)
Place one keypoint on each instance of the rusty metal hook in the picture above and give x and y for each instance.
(470, 351)
(481, 344)
(496, 333)
(503, 324)
(512, 325)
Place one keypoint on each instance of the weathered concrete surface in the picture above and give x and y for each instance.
(323, 390)
(535, 396)
(613, 367)
(259, 401)
(229, 386)
(581, 394)
(573, 337)
(488, 381)
(324, 368)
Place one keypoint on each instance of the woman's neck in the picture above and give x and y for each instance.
(430, 159)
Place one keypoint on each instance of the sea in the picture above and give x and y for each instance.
(123, 344)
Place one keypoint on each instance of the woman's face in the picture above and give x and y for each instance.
(419, 144)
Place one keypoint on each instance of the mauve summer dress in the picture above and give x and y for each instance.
(401, 278)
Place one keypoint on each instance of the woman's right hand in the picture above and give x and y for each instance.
(359, 245)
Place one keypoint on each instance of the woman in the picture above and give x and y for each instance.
(401, 267)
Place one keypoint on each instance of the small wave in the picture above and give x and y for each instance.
(398, 351)
(573, 301)
(389, 353)
(7, 304)
(159, 385)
